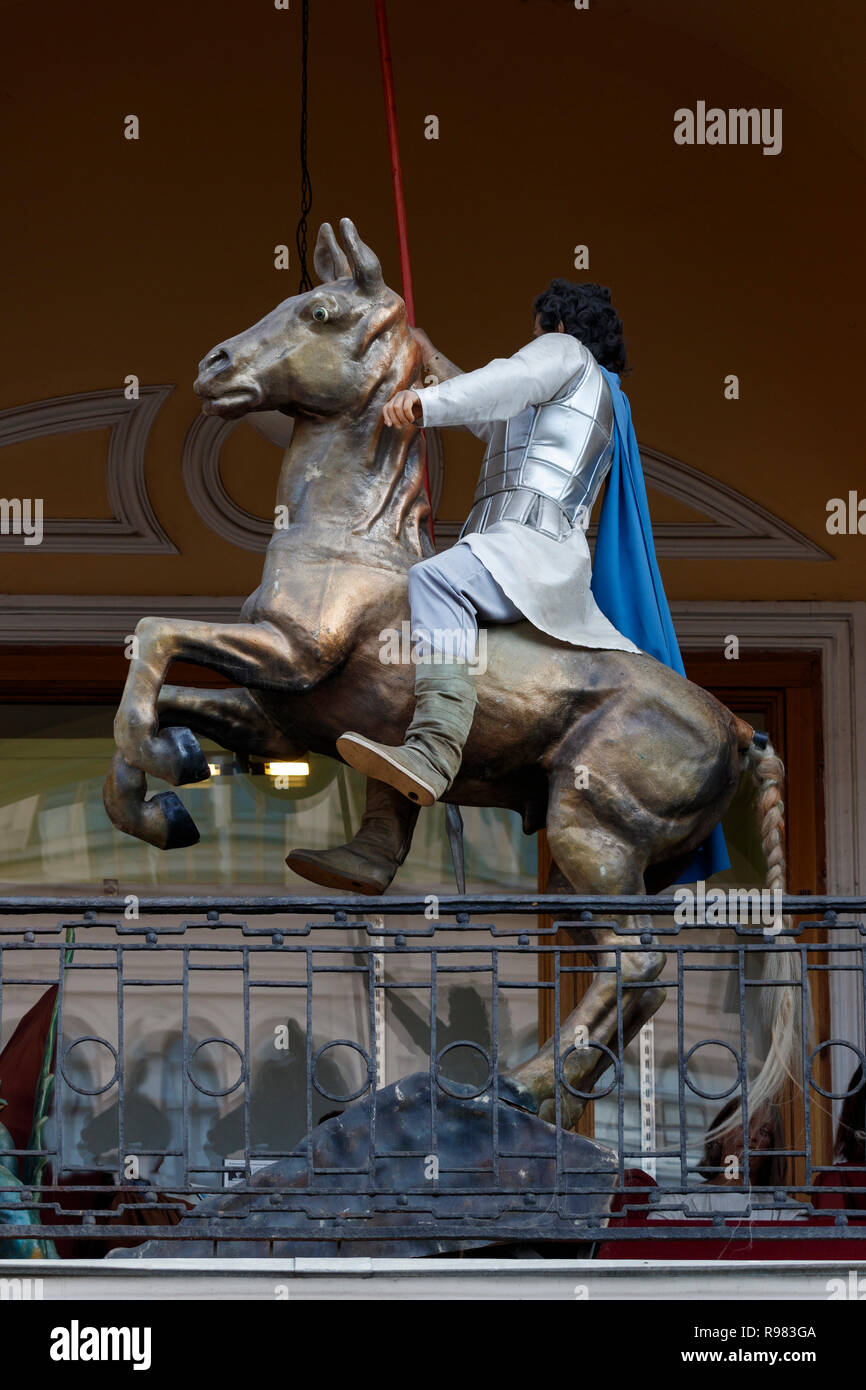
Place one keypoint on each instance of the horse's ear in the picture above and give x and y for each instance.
(364, 263)
(328, 258)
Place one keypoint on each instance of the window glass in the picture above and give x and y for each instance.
(55, 838)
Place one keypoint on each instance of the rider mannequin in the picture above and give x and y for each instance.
(547, 417)
(522, 553)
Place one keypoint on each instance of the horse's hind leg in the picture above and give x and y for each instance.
(595, 858)
(231, 718)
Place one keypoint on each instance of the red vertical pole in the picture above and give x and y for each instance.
(397, 179)
(394, 151)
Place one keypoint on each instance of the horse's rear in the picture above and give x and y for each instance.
(608, 738)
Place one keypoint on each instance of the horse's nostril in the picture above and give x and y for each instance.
(218, 358)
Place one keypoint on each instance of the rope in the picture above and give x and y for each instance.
(305, 283)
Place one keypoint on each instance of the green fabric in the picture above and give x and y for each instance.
(445, 700)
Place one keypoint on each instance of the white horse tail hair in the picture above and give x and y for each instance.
(780, 997)
(780, 1003)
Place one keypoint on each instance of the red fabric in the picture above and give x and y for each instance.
(20, 1065)
(635, 1202)
(835, 1197)
(116, 1206)
(739, 1243)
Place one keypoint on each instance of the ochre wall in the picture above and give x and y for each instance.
(556, 128)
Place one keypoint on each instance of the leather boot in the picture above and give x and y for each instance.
(428, 760)
(368, 862)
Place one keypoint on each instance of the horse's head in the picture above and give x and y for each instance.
(321, 353)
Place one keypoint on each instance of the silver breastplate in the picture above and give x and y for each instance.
(547, 463)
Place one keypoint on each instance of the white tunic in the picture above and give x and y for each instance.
(548, 580)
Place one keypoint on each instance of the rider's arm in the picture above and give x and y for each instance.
(506, 385)
(437, 368)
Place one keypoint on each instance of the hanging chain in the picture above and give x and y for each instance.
(305, 282)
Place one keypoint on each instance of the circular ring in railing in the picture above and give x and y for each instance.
(464, 1095)
(835, 1095)
(713, 1095)
(84, 1090)
(205, 1090)
(591, 1095)
(356, 1047)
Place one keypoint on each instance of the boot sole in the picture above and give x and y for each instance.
(314, 871)
(370, 759)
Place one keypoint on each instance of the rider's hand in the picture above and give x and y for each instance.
(403, 409)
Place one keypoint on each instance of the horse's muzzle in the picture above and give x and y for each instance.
(227, 403)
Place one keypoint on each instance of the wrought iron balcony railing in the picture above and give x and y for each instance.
(324, 1075)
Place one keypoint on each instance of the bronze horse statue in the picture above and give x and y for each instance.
(627, 764)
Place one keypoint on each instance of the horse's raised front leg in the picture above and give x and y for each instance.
(253, 654)
(160, 820)
(231, 718)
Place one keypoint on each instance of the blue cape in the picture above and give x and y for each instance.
(627, 585)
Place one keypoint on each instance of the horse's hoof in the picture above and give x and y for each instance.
(183, 760)
(180, 828)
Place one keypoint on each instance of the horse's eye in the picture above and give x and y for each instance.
(320, 313)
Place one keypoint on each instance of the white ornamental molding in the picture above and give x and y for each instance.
(734, 528)
(133, 527)
(203, 481)
(101, 620)
(227, 518)
(732, 525)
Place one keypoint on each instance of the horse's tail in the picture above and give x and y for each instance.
(780, 1002)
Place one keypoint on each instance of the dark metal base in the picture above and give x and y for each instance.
(439, 1177)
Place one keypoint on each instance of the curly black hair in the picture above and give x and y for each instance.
(585, 311)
